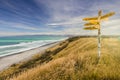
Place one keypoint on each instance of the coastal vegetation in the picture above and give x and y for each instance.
(73, 59)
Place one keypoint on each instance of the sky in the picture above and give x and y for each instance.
(57, 17)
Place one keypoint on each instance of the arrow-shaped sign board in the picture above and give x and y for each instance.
(107, 15)
(102, 17)
(93, 21)
(89, 24)
(91, 28)
(92, 18)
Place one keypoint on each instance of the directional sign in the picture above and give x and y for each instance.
(107, 15)
(102, 17)
(94, 24)
(93, 21)
(91, 28)
(89, 24)
(92, 18)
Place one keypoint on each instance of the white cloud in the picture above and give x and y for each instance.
(18, 25)
(60, 10)
(23, 26)
(111, 27)
(69, 22)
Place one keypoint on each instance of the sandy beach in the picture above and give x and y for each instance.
(7, 61)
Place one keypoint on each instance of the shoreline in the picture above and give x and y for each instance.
(28, 50)
(8, 60)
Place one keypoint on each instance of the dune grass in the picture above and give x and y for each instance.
(77, 60)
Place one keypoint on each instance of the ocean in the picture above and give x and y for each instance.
(15, 44)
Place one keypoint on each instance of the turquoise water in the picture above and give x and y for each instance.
(15, 44)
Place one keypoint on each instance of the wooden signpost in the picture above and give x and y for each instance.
(94, 23)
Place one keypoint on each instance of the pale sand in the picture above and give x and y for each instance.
(7, 61)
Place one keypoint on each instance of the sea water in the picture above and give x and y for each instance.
(15, 44)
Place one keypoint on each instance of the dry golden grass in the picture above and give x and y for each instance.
(79, 61)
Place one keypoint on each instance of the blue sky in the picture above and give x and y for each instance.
(28, 17)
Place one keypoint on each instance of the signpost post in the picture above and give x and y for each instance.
(94, 23)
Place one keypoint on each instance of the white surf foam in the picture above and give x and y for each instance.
(14, 49)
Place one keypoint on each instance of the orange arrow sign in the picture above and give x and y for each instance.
(107, 15)
(89, 24)
(92, 18)
(93, 21)
(96, 20)
(91, 28)
(102, 17)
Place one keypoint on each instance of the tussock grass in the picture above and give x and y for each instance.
(78, 61)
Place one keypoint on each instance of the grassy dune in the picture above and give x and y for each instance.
(73, 59)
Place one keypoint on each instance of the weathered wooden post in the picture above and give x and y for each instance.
(99, 33)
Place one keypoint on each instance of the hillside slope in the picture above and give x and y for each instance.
(78, 61)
